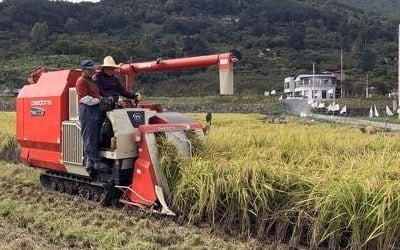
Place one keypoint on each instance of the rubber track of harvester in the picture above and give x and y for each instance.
(106, 194)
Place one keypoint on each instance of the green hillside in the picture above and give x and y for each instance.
(276, 38)
(385, 7)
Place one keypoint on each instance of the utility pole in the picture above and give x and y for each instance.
(341, 74)
(366, 89)
(398, 87)
(313, 81)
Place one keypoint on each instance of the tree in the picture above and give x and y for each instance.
(39, 34)
(71, 25)
(296, 40)
(194, 45)
(367, 60)
(146, 43)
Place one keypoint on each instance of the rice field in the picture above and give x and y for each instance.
(301, 183)
(318, 185)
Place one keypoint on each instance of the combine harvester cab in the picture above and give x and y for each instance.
(48, 131)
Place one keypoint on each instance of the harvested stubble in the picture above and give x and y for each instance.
(71, 222)
(317, 185)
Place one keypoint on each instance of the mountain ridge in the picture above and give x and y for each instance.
(275, 38)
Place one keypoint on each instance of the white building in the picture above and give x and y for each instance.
(323, 86)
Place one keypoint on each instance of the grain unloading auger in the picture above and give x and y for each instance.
(48, 131)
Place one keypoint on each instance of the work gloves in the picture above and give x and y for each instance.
(107, 103)
(138, 97)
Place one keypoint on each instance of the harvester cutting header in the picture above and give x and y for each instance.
(49, 132)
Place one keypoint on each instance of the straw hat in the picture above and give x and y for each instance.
(109, 62)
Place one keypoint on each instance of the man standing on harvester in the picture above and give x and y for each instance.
(90, 116)
(97, 93)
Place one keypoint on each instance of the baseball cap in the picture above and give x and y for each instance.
(88, 64)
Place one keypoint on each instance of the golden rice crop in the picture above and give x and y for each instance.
(316, 184)
(8, 146)
(7, 123)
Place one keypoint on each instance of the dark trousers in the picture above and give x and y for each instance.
(90, 118)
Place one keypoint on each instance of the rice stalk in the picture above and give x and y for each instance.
(9, 148)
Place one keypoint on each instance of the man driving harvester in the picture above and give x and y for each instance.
(108, 83)
(110, 89)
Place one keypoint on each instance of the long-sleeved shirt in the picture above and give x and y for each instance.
(87, 91)
(110, 86)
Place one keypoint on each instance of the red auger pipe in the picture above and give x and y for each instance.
(224, 62)
(174, 64)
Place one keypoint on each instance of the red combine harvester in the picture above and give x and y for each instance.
(48, 131)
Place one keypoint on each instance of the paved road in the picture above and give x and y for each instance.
(353, 120)
(302, 108)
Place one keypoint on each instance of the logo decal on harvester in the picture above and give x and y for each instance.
(36, 107)
(136, 118)
(41, 103)
(35, 111)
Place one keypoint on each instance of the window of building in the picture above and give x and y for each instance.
(323, 94)
(314, 81)
(315, 93)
